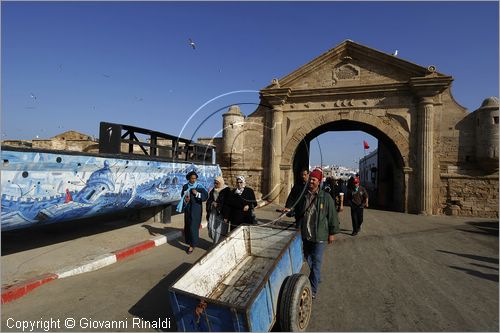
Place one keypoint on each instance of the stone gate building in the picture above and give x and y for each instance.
(434, 156)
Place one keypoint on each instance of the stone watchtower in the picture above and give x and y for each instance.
(233, 134)
(486, 137)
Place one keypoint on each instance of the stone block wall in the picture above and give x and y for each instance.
(469, 196)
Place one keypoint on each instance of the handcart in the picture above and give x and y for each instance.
(248, 282)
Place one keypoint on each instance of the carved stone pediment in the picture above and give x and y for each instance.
(352, 64)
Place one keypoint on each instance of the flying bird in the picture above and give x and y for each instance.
(395, 53)
(193, 45)
(33, 96)
(105, 75)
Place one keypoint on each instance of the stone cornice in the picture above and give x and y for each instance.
(429, 86)
(375, 88)
(274, 96)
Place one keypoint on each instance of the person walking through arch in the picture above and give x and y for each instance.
(297, 191)
(358, 199)
(241, 203)
(318, 221)
(338, 195)
(193, 194)
(218, 210)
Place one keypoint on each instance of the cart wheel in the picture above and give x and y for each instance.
(296, 304)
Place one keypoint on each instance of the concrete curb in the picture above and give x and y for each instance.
(18, 290)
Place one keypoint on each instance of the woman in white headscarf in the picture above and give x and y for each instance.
(217, 210)
(241, 203)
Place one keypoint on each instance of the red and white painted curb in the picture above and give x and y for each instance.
(17, 290)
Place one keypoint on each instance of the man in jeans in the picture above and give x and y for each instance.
(318, 220)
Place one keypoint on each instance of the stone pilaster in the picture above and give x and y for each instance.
(426, 153)
(407, 174)
(426, 88)
(274, 146)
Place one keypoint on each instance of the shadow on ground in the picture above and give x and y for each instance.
(489, 228)
(475, 272)
(156, 303)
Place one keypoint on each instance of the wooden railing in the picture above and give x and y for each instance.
(125, 140)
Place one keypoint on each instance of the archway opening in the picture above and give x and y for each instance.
(380, 167)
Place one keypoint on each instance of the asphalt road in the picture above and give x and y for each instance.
(401, 273)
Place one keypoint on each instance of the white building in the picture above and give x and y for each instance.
(337, 171)
(368, 167)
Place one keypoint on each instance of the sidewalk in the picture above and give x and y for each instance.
(30, 259)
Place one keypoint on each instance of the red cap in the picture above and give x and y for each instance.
(356, 180)
(317, 173)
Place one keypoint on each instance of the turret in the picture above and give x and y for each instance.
(232, 148)
(486, 128)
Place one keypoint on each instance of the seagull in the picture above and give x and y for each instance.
(193, 45)
(33, 96)
(105, 75)
(395, 53)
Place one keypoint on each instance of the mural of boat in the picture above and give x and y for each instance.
(42, 187)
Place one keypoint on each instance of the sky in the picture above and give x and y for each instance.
(70, 65)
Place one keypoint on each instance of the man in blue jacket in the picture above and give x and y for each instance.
(318, 220)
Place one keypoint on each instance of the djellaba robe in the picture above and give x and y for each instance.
(193, 211)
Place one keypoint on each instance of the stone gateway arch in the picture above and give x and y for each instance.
(435, 157)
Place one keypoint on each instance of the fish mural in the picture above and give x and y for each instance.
(41, 187)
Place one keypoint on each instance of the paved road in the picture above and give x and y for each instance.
(401, 273)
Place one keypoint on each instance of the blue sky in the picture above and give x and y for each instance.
(70, 65)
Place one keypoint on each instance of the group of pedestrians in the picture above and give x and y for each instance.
(335, 188)
(315, 211)
(226, 208)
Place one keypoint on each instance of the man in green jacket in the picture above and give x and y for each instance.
(318, 220)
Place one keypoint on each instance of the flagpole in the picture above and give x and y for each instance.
(365, 147)
(364, 151)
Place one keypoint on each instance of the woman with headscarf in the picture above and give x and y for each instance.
(217, 210)
(193, 194)
(242, 202)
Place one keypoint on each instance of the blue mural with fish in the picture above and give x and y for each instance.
(43, 187)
